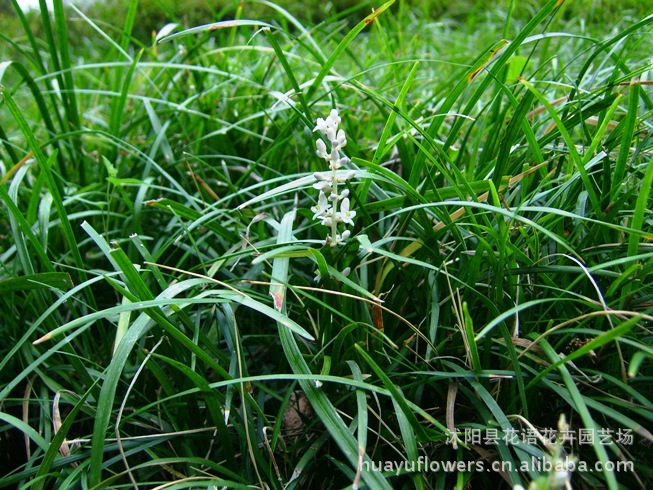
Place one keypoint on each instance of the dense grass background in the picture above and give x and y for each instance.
(160, 317)
(153, 14)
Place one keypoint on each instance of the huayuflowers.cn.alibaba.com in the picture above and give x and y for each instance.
(543, 464)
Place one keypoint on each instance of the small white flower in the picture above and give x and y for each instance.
(324, 176)
(323, 185)
(340, 141)
(321, 150)
(559, 478)
(330, 134)
(342, 177)
(330, 123)
(334, 118)
(345, 215)
(338, 197)
(327, 219)
(321, 125)
(339, 238)
(337, 163)
(322, 208)
(334, 156)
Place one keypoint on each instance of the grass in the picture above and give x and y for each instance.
(161, 322)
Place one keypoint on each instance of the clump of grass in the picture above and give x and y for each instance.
(160, 314)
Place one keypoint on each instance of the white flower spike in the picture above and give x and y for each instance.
(333, 207)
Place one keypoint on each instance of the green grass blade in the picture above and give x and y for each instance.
(44, 280)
